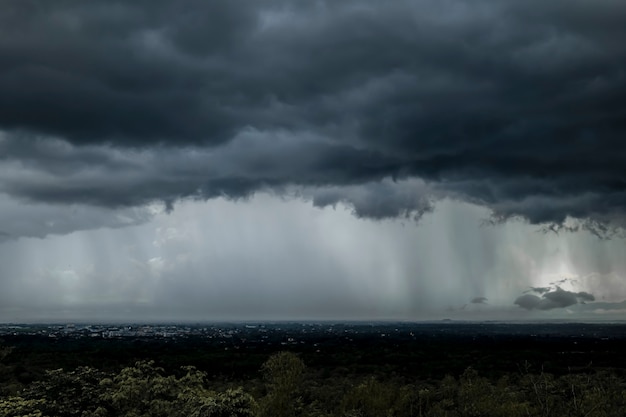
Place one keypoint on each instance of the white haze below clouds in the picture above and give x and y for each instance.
(276, 258)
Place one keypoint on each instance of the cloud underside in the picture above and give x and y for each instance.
(518, 107)
(553, 299)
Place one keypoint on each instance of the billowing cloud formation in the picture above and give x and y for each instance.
(516, 106)
(557, 298)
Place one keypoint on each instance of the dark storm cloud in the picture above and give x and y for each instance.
(557, 298)
(585, 296)
(517, 106)
(539, 290)
(40, 220)
(379, 200)
(527, 301)
(56, 172)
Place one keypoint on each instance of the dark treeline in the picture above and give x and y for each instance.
(371, 376)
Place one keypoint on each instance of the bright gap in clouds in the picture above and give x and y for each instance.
(276, 258)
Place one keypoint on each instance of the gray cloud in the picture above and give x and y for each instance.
(585, 296)
(556, 298)
(41, 219)
(527, 301)
(385, 199)
(540, 290)
(518, 107)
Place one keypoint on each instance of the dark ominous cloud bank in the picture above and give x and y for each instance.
(387, 107)
(224, 159)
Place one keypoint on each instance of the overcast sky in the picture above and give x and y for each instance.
(250, 160)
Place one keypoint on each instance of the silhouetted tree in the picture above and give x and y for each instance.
(283, 374)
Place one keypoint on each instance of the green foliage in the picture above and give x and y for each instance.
(370, 398)
(4, 370)
(288, 389)
(194, 400)
(283, 373)
(477, 396)
(283, 370)
(587, 394)
(144, 391)
(20, 407)
(141, 391)
(4, 351)
(67, 393)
